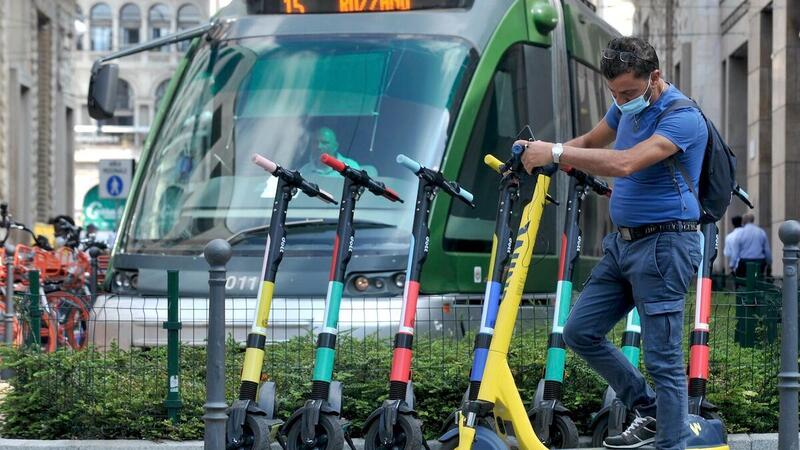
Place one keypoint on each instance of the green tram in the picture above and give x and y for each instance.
(442, 81)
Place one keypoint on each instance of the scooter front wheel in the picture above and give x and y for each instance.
(255, 434)
(328, 435)
(563, 432)
(407, 435)
(485, 439)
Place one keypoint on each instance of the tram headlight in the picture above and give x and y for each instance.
(399, 279)
(361, 283)
(125, 280)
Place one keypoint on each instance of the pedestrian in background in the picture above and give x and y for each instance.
(730, 240)
(751, 246)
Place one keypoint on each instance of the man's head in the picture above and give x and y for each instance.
(630, 66)
(736, 221)
(324, 142)
(748, 218)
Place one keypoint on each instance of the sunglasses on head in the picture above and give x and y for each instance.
(626, 57)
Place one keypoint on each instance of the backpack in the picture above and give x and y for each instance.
(717, 181)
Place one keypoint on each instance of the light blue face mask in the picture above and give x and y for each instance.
(636, 105)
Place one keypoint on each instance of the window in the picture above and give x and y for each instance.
(188, 17)
(159, 23)
(519, 94)
(592, 101)
(123, 115)
(80, 27)
(100, 27)
(160, 90)
(130, 21)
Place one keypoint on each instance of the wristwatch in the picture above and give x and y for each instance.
(558, 149)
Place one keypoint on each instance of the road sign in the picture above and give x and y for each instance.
(115, 178)
(102, 213)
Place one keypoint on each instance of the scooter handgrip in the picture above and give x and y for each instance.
(391, 195)
(332, 162)
(465, 194)
(517, 149)
(325, 195)
(264, 163)
(409, 163)
(600, 186)
(493, 162)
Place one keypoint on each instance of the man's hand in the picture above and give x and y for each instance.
(536, 154)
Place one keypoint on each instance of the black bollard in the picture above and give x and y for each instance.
(217, 254)
(10, 313)
(788, 378)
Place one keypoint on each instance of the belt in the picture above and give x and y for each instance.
(676, 226)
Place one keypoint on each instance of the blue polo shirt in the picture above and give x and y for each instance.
(650, 195)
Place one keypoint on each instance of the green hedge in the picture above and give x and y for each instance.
(119, 394)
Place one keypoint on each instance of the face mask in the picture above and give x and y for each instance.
(60, 241)
(636, 105)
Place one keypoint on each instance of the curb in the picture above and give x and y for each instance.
(735, 442)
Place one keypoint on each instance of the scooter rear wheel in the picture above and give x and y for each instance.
(407, 434)
(485, 439)
(328, 435)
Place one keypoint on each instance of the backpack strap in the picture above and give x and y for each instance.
(672, 162)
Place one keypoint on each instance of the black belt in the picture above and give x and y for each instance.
(676, 226)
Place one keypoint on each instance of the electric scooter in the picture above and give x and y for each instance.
(318, 423)
(549, 416)
(251, 419)
(394, 425)
(502, 248)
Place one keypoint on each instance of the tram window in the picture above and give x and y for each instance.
(592, 100)
(519, 94)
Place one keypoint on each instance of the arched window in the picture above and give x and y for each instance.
(100, 27)
(80, 27)
(188, 17)
(123, 115)
(160, 23)
(160, 91)
(130, 22)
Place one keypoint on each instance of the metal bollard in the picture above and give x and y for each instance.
(10, 313)
(35, 312)
(789, 378)
(172, 325)
(217, 254)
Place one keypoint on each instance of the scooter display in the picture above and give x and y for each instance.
(318, 423)
(549, 416)
(394, 425)
(251, 420)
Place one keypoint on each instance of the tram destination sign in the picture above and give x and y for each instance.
(348, 6)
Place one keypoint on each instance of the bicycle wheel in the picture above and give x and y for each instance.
(73, 319)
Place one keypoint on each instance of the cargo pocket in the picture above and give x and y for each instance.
(663, 323)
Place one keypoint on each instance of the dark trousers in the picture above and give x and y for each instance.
(741, 268)
(653, 275)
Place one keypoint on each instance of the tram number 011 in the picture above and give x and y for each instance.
(241, 283)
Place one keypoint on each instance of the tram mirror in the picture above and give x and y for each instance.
(545, 17)
(102, 91)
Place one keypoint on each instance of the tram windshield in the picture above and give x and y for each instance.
(361, 99)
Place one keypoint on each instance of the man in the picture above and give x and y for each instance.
(324, 142)
(751, 246)
(650, 261)
(730, 239)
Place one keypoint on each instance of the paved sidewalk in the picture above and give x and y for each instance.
(735, 441)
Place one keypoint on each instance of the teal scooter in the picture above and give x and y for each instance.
(550, 418)
(318, 425)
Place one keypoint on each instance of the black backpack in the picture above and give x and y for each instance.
(718, 176)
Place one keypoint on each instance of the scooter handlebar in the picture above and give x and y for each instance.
(494, 163)
(743, 196)
(438, 179)
(376, 187)
(264, 163)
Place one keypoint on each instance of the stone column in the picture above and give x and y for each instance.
(785, 162)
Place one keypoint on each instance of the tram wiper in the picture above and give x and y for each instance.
(263, 229)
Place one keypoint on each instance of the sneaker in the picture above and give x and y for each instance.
(641, 432)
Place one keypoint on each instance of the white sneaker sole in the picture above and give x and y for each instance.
(636, 445)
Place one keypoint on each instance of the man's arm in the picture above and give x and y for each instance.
(767, 249)
(601, 161)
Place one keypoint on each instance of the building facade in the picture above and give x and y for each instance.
(104, 26)
(37, 108)
(740, 60)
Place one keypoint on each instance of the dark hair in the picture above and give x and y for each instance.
(736, 221)
(645, 62)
